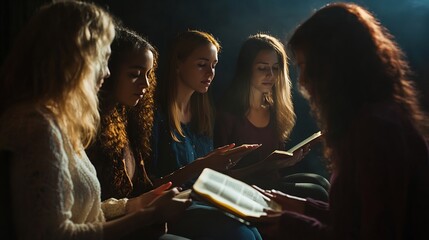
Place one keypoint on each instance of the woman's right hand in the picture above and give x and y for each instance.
(298, 155)
(288, 202)
(167, 207)
(142, 201)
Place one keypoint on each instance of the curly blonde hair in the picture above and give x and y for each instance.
(64, 68)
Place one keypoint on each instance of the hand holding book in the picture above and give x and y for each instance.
(248, 204)
(308, 142)
(280, 159)
(288, 202)
(295, 154)
(234, 196)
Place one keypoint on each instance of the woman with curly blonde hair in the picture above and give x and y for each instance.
(49, 114)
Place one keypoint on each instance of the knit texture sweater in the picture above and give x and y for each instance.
(54, 190)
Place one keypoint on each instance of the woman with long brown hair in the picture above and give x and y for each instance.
(358, 84)
(182, 134)
(257, 108)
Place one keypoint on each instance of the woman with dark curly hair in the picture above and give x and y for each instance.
(122, 143)
(132, 81)
(357, 82)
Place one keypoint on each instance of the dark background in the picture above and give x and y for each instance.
(232, 21)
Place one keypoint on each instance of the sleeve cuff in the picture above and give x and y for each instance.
(113, 208)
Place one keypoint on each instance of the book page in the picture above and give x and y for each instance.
(305, 142)
(278, 154)
(250, 147)
(233, 195)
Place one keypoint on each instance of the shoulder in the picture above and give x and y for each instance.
(28, 126)
(160, 115)
(227, 116)
(161, 126)
(383, 118)
(385, 130)
(28, 120)
(27, 114)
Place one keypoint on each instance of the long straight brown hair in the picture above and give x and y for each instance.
(236, 99)
(201, 107)
(351, 61)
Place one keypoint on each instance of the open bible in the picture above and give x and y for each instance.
(306, 142)
(279, 154)
(233, 196)
(278, 158)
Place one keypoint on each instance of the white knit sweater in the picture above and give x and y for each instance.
(55, 191)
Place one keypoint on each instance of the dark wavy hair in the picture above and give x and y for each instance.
(121, 125)
(351, 61)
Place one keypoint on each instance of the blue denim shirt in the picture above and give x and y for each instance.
(170, 155)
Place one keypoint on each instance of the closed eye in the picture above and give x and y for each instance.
(263, 68)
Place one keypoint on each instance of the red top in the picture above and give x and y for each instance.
(231, 128)
(381, 189)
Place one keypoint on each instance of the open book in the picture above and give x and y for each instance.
(233, 196)
(308, 141)
(279, 154)
(279, 159)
